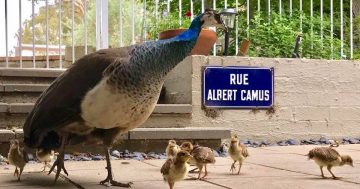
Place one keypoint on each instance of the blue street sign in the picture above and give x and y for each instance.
(238, 87)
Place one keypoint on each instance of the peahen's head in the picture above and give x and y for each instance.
(209, 18)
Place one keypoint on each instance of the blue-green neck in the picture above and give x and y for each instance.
(163, 55)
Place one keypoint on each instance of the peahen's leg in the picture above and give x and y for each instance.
(109, 179)
(59, 163)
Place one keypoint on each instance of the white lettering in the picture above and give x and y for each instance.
(239, 79)
(222, 94)
(209, 95)
(255, 95)
(232, 79)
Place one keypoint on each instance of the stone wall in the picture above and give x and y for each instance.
(313, 98)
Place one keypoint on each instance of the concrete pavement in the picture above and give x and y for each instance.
(268, 168)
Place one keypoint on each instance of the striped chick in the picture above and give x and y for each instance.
(238, 152)
(329, 157)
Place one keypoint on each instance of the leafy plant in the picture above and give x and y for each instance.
(277, 37)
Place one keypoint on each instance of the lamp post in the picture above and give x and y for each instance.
(228, 17)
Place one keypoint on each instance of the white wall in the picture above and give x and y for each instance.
(312, 98)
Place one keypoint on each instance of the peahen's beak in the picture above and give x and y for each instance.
(220, 23)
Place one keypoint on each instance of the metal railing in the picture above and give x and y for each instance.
(136, 7)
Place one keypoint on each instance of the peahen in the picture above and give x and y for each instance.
(107, 93)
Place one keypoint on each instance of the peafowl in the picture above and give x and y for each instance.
(107, 93)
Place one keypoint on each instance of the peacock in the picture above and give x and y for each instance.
(107, 93)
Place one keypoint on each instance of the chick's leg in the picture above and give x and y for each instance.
(240, 164)
(16, 172)
(200, 170)
(233, 168)
(322, 173)
(206, 173)
(44, 167)
(21, 170)
(109, 179)
(329, 169)
(59, 163)
(171, 185)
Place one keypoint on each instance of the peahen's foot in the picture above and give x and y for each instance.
(110, 182)
(59, 163)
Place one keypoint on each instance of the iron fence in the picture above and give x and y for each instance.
(145, 8)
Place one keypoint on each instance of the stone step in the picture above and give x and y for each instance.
(13, 115)
(14, 108)
(21, 93)
(143, 139)
(28, 75)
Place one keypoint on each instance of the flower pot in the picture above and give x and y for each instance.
(204, 43)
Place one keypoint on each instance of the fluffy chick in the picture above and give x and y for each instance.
(172, 149)
(176, 169)
(329, 157)
(17, 157)
(45, 156)
(238, 152)
(201, 156)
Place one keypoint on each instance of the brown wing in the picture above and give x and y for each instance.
(60, 103)
(324, 153)
(166, 166)
(203, 154)
(244, 150)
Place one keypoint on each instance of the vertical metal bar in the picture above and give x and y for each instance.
(321, 22)
(236, 29)
(269, 10)
(98, 24)
(301, 16)
(72, 30)
(60, 32)
(180, 13)
(133, 21)
(202, 6)
(226, 4)
(192, 9)
(144, 22)
(156, 14)
(167, 5)
(280, 7)
(332, 27)
(121, 24)
(311, 26)
(214, 28)
(105, 23)
(85, 27)
(47, 34)
(351, 31)
(259, 6)
(341, 29)
(33, 30)
(20, 35)
(6, 36)
(247, 19)
(290, 7)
